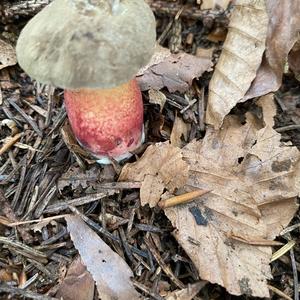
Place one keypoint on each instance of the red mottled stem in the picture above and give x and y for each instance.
(107, 122)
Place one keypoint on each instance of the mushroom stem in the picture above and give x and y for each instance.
(107, 122)
(114, 5)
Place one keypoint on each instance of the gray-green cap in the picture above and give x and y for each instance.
(75, 44)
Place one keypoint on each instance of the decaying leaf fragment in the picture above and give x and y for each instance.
(7, 55)
(76, 177)
(174, 71)
(160, 167)
(78, 284)
(253, 177)
(180, 129)
(110, 272)
(186, 294)
(240, 59)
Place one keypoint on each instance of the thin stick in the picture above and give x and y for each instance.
(287, 247)
(182, 199)
(279, 292)
(10, 143)
(295, 275)
(287, 128)
(36, 220)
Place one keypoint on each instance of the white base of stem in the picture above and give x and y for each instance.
(106, 160)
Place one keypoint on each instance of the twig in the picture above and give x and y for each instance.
(146, 290)
(9, 213)
(27, 8)
(279, 292)
(162, 264)
(24, 249)
(28, 119)
(36, 220)
(10, 143)
(24, 8)
(201, 107)
(182, 199)
(94, 225)
(287, 128)
(190, 11)
(287, 247)
(295, 275)
(24, 293)
(54, 208)
(120, 185)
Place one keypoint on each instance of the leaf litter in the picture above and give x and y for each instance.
(110, 272)
(250, 172)
(228, 232)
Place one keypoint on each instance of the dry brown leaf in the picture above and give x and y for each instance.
(241, 57)
(174, 71)
(78, 284)
(294, 60)
(186, 294)
(160, 167)
(180, 129)
(7, 55)
(252, 175)
(284, 25)
(157, 97)
(205, 53)
(110, 272)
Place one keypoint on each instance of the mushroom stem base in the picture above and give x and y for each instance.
(108, 122)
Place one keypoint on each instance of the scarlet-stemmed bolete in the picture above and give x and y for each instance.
(93, 49)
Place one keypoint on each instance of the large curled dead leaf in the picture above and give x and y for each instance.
(241, 57)
(7, 55)
(110, 272)
(283, 29)
(174, 71)
(253, 177)
(160, 167)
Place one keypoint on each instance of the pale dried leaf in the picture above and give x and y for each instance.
(186, 294)
(284, 25)
(7, 55)
(241, 57)
(253, 178)
(294, 59)
(205, 53)
(157, 97)
(174, 71)
(1, 97)
(110, 272)
(180, 129)
(160, 167)
(160, 54)
(211, 4)
(78, 283)
(40, 225)
(269, 109)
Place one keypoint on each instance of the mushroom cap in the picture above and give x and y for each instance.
(75, 44)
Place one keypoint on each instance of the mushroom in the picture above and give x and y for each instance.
(93, 49)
